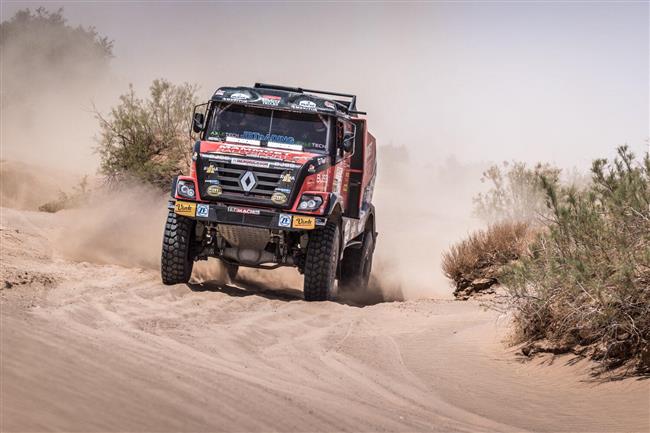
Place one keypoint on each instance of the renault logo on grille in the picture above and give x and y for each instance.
(248, 181)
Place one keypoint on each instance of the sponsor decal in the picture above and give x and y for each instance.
(322, 178)
(284, 190)
(218, 93)
(185, 208)
(305, 105)
(239, 96)
(286, 146)
(287, 178)
(322, 160)
(338, 174)
(212, 181)
(250, 162)
(284, 165)
(310, 105)
(284, 220)
(271, 100)
(261, 152)
(368, 191)
(252, 151)
(303, 222)
(249, 141)
(210, 169)
(202, 210)
(216, 156)
(214, 190)
(243, 210)
(256, 136)
(279, 198)
(318, 146)
(311, 168)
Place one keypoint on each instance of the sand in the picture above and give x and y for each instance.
(102, 347)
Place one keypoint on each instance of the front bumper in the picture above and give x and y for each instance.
(222, 213)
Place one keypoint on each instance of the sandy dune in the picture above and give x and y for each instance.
(89, 347)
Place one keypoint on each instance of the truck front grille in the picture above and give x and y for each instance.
(240, 183)
(263, 180)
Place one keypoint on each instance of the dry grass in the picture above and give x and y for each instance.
(483, 254)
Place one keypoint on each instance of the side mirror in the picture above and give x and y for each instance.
(197, 122)
(348, 142)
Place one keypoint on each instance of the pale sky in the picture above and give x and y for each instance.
(563, 82)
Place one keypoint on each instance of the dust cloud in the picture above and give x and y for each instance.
(52, 76)
(27, 186)
(422, 200)
(117, 226)
(423, 205)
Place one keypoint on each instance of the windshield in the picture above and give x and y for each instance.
(279, 129)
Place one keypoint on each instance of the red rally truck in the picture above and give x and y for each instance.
(280, 176)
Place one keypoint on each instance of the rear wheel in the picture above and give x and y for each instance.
(232, 271)
(357, 265)
(176, 263)
(321, 262)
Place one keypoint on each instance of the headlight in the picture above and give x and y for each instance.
(185, 188)
(310, 202)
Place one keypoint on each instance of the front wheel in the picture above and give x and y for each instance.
(176, 263)
(321, 262)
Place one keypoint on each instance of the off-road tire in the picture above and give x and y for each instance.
(231, 270)
(357, 265)
(176, 263)
(321, 263)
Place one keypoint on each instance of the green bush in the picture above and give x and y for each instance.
(147, 140)
(586, 284)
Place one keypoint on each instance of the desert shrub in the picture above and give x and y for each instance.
(516, 192)
(147, 140)
(586, 284)
(477, 262)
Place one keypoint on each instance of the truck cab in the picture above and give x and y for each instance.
(280, 176)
